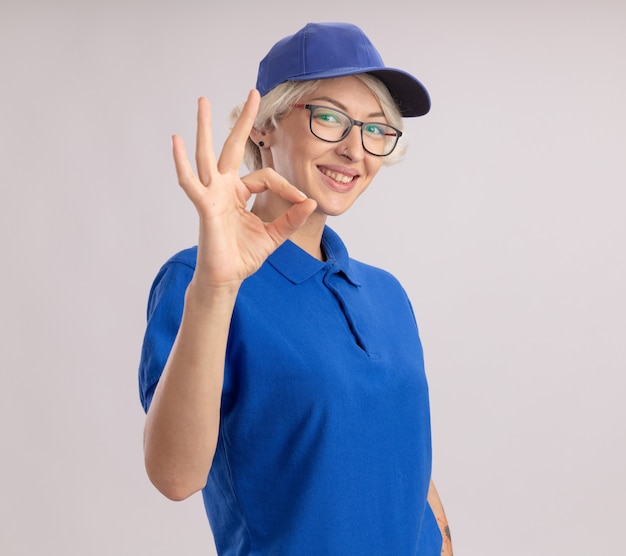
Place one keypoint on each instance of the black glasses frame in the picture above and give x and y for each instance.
(312, 107)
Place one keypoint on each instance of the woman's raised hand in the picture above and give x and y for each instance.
(233, 243)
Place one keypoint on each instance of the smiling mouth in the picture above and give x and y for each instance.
(337, 176)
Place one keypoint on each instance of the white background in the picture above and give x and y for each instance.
(505, 223)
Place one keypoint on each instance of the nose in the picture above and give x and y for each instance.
(351, 146)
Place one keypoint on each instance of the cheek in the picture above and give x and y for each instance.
(374, 166)
(295, 157)
(285, 160)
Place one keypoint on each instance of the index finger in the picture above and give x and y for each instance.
(234, 146)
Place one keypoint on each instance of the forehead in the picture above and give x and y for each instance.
(348, 91)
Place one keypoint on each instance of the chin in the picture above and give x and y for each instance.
(334, 210)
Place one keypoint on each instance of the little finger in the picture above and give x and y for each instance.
(184, 172)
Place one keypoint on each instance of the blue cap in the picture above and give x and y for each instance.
(323, 50)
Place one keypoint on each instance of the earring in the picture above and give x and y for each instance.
(261, 144)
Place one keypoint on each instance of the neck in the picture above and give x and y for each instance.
(268, 206)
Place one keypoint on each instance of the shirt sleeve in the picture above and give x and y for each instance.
(165, 310)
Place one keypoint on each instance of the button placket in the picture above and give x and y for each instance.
(335, 281)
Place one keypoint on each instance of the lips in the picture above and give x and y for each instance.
(337, 176)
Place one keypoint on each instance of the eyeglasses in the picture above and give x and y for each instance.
(332, 125)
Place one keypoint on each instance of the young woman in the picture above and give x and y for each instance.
(280, 377)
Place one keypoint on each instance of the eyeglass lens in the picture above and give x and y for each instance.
(332, 125)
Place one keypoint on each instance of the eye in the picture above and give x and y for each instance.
(328, 117)
(377, 130)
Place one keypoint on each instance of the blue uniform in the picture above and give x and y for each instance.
(324, 443)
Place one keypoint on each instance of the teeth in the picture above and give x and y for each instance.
(341, 178)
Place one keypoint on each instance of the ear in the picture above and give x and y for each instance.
(259, 135)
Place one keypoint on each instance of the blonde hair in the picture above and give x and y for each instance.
(278, 102)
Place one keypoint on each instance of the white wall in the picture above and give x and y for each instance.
(505, 223)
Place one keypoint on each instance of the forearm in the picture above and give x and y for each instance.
(437, 507)
(183, 420)
(182, 423)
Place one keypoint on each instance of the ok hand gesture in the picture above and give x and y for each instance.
(233, 243)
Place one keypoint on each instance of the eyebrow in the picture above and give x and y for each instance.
(345, 109)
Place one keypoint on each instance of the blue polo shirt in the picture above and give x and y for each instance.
(324, 442)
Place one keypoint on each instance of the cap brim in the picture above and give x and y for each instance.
(410, 95)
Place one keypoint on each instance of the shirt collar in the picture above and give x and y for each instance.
(297, 265)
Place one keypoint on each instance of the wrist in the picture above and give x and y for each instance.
(215, 297)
